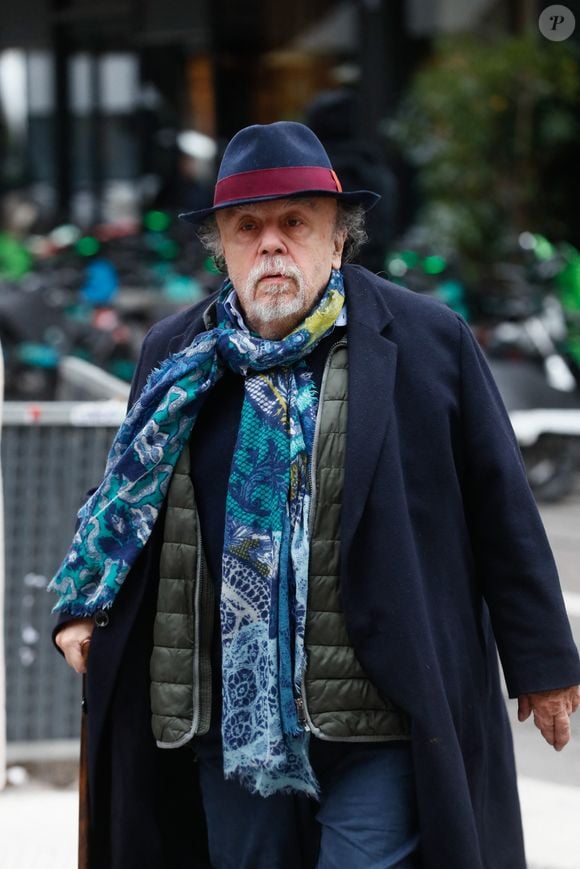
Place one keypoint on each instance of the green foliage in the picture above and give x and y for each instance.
(493, 129)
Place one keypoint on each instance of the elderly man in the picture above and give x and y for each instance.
(313, 529)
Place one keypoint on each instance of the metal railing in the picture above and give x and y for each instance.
(52, 453)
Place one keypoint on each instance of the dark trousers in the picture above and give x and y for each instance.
(366, 818)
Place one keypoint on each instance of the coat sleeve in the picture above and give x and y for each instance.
(513, 559)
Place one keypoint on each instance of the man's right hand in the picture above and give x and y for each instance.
(74, 640)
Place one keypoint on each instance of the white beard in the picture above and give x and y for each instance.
(279, 304)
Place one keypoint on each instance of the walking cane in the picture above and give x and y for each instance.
(84, 772)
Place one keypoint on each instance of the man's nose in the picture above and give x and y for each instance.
(272, 241)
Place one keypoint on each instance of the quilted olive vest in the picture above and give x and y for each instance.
(339, 701)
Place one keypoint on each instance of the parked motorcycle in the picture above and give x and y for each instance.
(93, 296)
(524, 319)
(538, 380)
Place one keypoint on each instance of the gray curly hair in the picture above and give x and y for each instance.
(350, 219)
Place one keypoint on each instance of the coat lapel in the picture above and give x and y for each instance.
(372, 365)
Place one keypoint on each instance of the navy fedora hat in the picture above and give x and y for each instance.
(276, 161)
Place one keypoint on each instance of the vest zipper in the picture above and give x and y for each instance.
(204, 608)
(196, 641)
(341, 343)
(300, 712)
(301, 703)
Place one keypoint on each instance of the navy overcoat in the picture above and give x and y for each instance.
(443, 557)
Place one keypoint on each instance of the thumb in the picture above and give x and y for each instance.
(524, 707)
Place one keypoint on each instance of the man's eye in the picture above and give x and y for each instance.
(294, 221)
(247, 226)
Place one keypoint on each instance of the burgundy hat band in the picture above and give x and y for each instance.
(282, 181)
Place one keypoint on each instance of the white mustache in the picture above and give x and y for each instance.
(273, 266)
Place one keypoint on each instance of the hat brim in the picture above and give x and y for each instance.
(366, 198)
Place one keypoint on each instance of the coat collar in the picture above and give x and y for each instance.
(201, 319)
(372, 366)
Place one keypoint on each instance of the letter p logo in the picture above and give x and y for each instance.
(557, 23)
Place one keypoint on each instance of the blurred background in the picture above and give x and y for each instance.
(113, 119)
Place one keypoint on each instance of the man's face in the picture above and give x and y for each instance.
(279, 256)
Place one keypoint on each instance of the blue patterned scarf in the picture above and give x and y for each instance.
(266, 545)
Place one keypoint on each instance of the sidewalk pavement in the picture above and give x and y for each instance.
(38, 826)
(550, 815)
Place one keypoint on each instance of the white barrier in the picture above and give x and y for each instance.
(83, 381)
(2, 663)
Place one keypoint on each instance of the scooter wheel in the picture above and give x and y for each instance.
(551, 467)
